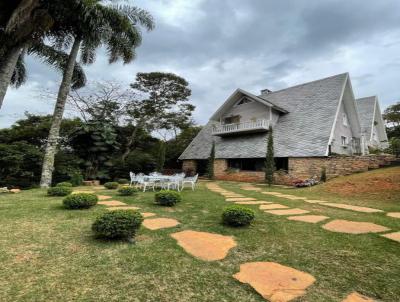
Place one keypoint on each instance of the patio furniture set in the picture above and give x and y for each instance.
(166, 182)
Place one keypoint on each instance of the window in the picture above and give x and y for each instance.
(344, 141)
(232, 119)
(345, 122)
(243, 100)
(282, 163)
(248, 164)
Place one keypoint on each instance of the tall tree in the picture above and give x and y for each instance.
(210, 163)
(159, 102)
(115, 26)
(269, 160)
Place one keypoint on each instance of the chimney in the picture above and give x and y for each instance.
(266, 91)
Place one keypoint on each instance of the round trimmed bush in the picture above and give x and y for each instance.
(59, 191)
(127, 191)
(64, 184)
(167, 198)
(237, 215)
(122, 181)
(118, 224)
(80, 201)
(111, 185)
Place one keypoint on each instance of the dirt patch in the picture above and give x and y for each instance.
(272, 206)
(394, 214)
(356, 297)
(288, 212)
(148, 214)
(203, 245)
(103, 197)
(253, 202)
(308, 218)
(160, 223)
(127, 208)
(112, 203)
(241, 199)
(353, 227)
(352, 208)
(273, 281)
(393, 236)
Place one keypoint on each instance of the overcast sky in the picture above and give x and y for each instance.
(221, 45)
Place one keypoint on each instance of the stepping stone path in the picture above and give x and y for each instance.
(251, 188)
(112, 203)
(103, 197)
(273, 206)
(272, 193)
(241, 199)
(393, 236)
(159, 223)
(356, 297)
(273, 281)
(123, 208)
(82, 191)
(253, 202)
(394, 214)
(294, 211)
(308, 218)
(314, 201)
(353, 227)
(148, 214)
(203, 245)
(352, 208)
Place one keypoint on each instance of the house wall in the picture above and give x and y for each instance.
(378, 135)
(249, 112)
(342, 130)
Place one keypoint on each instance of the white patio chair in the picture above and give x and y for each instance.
(132, 177)
(190, 180)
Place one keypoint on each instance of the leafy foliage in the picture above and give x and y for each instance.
(167, 198)
(64, 184)
(59, 191)
(112, 185)
(237, 216)
(80, 201)
(119, 224)
(160, 156)
(127, 191)
(122, 181)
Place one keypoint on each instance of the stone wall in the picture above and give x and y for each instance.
(189, 166)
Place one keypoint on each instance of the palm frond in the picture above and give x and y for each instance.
(19, 74)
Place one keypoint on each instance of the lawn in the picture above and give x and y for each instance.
(48, 253)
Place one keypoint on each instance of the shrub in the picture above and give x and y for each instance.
(64, 184)
(323, 174)
(127, 191)
(111, 185)
(117, 224)
(80, 201)
(76, 179)
(59, 191)
(237, 215)
(122, 181)
(167, 198)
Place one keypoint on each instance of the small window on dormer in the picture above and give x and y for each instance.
(345, 122)
(242, 101)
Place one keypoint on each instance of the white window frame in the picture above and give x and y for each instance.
(344, 141)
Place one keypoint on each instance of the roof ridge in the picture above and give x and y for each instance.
(367, 97)
(307, 83)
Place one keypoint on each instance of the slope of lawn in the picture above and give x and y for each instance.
(48, 253)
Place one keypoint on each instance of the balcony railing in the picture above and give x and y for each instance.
(245, 127)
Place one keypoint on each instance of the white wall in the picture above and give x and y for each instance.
(248, 112)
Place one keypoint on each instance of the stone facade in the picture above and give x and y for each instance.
(189, 166)
(300, 168)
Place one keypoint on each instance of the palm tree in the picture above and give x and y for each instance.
(115, 27)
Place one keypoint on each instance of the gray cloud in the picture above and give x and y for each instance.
(221, 45)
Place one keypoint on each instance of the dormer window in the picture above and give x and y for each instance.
(345, 122)
(243, 100)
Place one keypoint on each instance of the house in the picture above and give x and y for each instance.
(312, 123)
(372, 124)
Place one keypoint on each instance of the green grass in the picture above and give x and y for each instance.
(48, 253)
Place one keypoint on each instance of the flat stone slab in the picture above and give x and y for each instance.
(394, 214)
(253, 202)
(273, 206)
(315, 201)
(294, 211)
(292, 197)
(393, 236)
(308, 218)
(148, 214)
(273, 281)
(103, 197)
(203, 245)
(159, 223)
(352, 208)
(251, 189)
(123, 208)
(353, 227)
(240, 199)
(112, 203)
(356, 297)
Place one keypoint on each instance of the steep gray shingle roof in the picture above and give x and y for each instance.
(304, 131)
(366, 107)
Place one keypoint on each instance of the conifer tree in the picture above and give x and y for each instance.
(269, 161)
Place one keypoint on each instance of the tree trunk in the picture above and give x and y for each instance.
(7, 67)
(131, 141)
(52, 140)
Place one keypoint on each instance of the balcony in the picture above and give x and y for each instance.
(241, 128)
